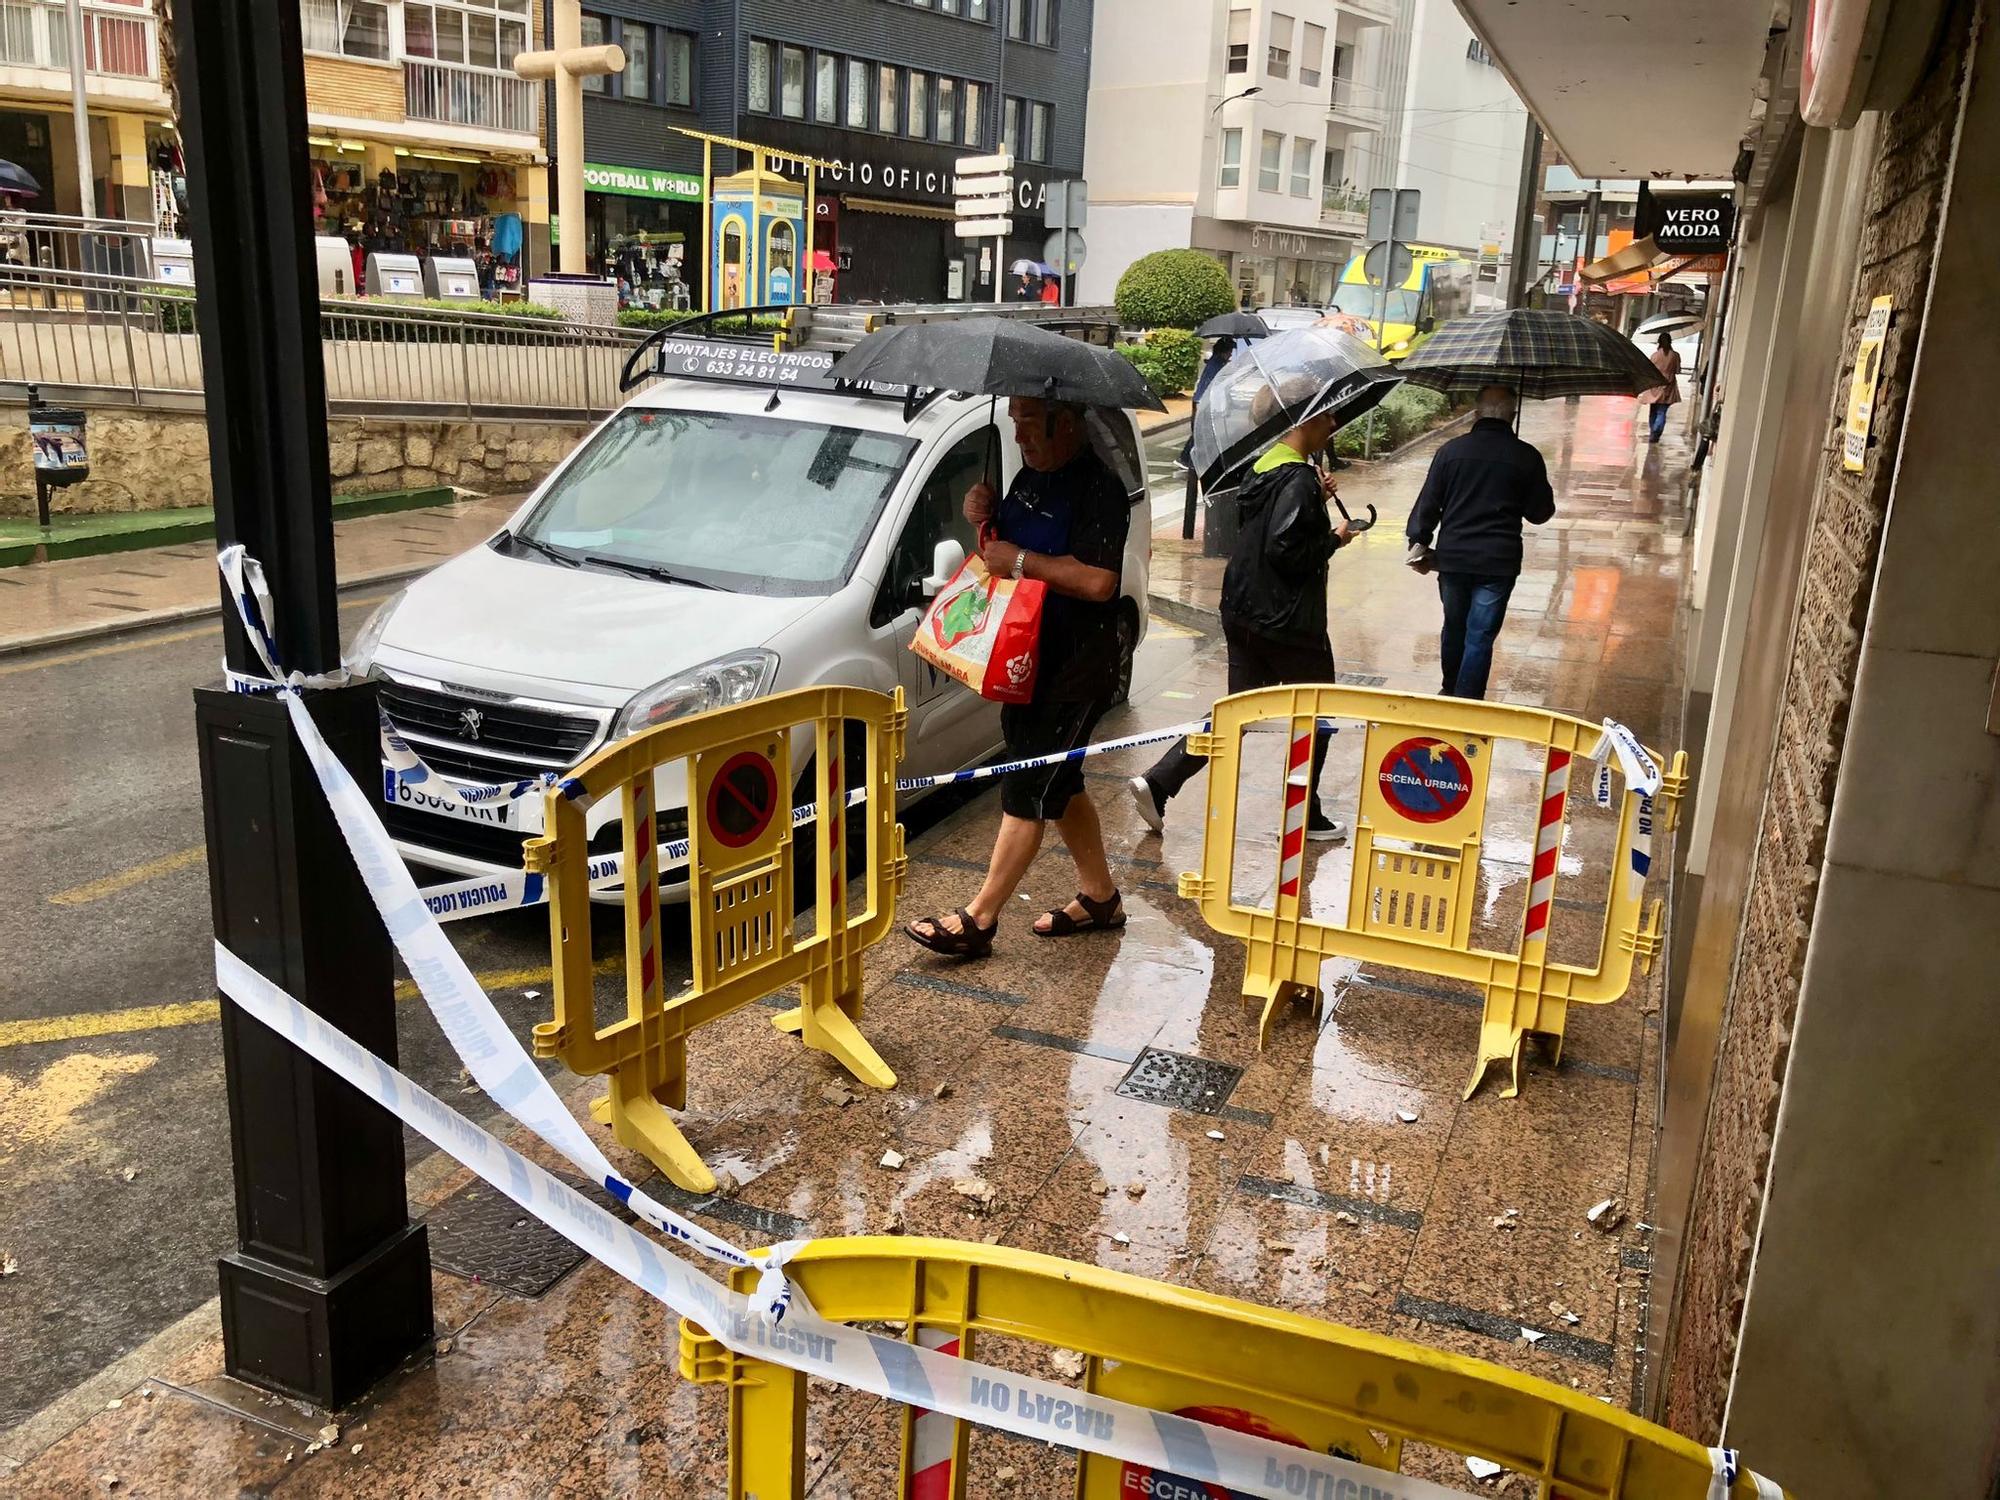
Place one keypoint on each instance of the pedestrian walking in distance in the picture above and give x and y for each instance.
(1668, 362)
(1480, 489)
(1063, 522)
(1273, 600)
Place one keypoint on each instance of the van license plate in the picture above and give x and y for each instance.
(492, 814)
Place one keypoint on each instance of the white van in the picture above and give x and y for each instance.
(739, 528)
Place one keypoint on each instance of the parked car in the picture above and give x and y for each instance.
(717, 538)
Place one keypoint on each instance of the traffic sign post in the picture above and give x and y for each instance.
(984, 188)
(1392, 220)
(1068, 211)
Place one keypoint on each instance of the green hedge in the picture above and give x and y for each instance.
(1174, 289)
(1409, 412)
(1169, 358)
(651, 318)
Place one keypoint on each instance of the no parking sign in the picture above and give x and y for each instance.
(1425, 788)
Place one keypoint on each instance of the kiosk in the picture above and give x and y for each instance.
(758, 239)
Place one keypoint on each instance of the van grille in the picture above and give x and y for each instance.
(476, 738)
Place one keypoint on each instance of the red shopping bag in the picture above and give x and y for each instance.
(985, 631)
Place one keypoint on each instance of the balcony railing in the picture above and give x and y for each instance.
(119, 41)
(455, 94)
(1359, 105)
(1343, 208)
(1371, 12)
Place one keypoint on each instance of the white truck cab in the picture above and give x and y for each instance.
(741, 526)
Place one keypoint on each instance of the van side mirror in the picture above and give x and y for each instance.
(946, 560)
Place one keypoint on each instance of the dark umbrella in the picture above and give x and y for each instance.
(1236, 325)
(996, 357)
(18, 181)
(1534, 353)
(1277, 383)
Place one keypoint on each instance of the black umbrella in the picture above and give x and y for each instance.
(1532, 352)
(1277, 383)
(1236, 325)
(18, 181)
(996, 357)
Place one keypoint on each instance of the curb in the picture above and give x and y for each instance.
(1202, 617)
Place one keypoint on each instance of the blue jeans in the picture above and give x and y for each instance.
(1659, 420)
(1475, 607)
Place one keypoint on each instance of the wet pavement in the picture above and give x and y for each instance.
(1087, 1080)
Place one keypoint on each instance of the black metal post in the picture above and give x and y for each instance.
(330, 1285)
(1192, 500)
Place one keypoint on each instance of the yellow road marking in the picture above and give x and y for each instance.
(111, 885)
(1167, 630)
(81, 1027)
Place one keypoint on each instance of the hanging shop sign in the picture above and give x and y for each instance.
(1685, 223)
(1867, 379)
(642, 182)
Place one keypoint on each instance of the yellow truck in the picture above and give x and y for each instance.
(1437, 288)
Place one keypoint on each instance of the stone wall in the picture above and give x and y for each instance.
(1897, 248)
(159, 460)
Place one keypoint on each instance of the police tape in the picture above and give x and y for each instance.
(774, 1325)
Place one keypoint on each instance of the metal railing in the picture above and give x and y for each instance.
(1360, 104)
(65, 242)
(128, 341)
(460, 95)
(119, 41)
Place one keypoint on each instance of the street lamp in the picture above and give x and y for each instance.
(1255, 88)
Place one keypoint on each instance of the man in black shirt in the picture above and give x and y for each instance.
(1480, 489)
(1063, 522)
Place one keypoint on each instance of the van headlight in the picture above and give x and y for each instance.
(360, 656)
(735, 678)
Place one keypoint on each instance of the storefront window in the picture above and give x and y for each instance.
(595, 30)
(758, 91)
(1231, 174)
(857, 94)
(885, 104)
(679, 68)
(826, 89)
(792, 97)
(975, 114)
(947, 107)
(920, 103)
(1038, 132)
(638, 43)
(779, 272)
(1271, 163)
(352, 28)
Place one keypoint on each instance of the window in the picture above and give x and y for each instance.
(826, 89)
(758, 93)
(1017, 19)
(596, 32)
(1010, 127)
(679, 68)
(1302, 166)
(1271, 163)
(1043, 29)
(979, 10)
(352, 28)
(792, 82)
(1239, 41)
(950, 7)
(1278, 55)
(920, 104)
(857, 94)
(885, 99)
(947, 110)
(637, 41)
(1231, 174)
(937, 516)
(1038, 132)
(975, 114)
(1311, 51)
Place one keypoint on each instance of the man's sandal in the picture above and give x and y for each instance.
(970, 941)
(1106, 914)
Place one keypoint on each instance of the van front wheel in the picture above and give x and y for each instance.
(1128, 647)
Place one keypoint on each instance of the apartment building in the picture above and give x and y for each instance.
(1233, 129)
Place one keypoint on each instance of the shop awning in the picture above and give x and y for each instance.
(1647, 257)
(890, 206)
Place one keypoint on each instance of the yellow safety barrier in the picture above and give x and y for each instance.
(1278, 1374)
(1425, 770)
(740, 906)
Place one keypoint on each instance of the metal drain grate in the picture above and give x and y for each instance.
(1361, 679)
(480, 1233)
(1179, 1081)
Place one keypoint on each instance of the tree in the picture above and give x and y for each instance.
(1174, 289)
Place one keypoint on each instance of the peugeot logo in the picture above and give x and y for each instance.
(471, 719)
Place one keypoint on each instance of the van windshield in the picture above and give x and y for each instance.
(1359, 299)
(750, 504)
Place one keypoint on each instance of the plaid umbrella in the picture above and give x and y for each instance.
(1534, 353)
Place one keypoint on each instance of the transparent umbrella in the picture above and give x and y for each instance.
(1277, 383)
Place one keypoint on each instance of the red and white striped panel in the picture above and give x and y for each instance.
(1298, 794)
(640, 804)
(931, 1432)
(1548, 844)
(835, 873)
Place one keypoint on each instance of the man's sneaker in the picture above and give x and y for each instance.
(1320, 826)
(1152, 806)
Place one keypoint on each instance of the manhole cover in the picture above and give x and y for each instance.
(1180, 1081)
(482, 1234)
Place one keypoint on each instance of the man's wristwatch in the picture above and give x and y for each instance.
(1020, 560)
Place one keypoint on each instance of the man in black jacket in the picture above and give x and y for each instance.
(1481, 487)
(1273, 602)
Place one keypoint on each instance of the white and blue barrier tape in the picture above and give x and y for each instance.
(775, 1325)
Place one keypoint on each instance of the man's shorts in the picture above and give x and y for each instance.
(1034, 729)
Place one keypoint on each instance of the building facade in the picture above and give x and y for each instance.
(1233, 129)
(889, 93)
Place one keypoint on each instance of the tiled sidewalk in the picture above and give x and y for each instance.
(1460, 1228)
